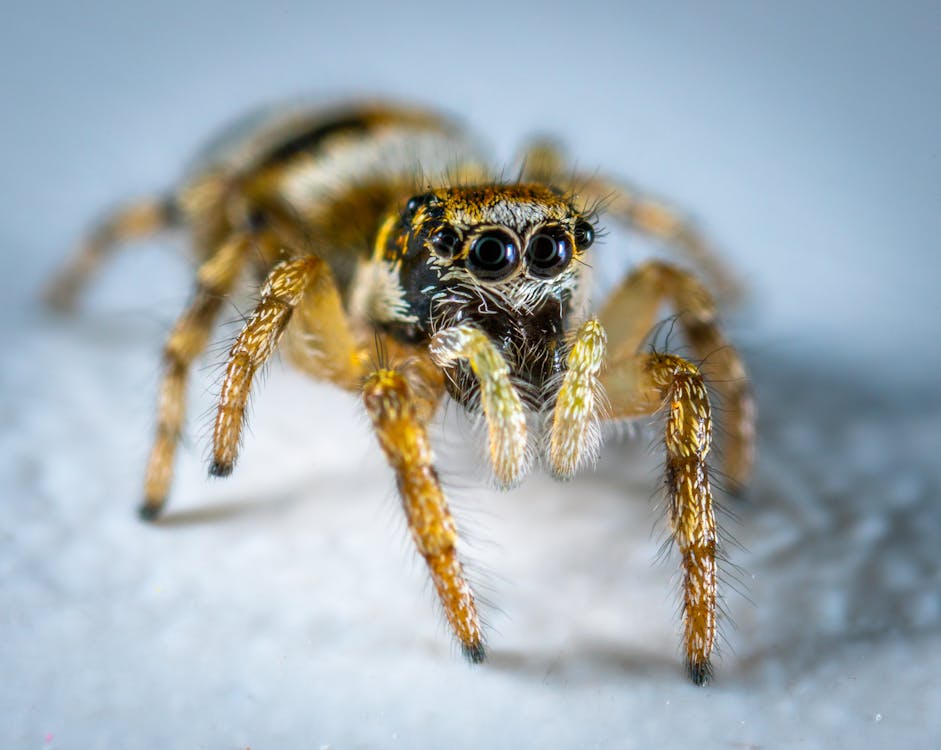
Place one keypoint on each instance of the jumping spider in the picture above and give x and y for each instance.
(373, 227)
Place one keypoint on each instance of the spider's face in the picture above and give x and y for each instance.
(502, 257)
(498, 237)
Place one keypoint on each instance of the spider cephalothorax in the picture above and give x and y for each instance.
(505, 259)
(381, 239)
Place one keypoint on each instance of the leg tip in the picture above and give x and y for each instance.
(700, 672)
(150, 510)
(220, 469)
(474, 653)
(562, 475)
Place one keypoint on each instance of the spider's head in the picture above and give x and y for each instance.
(497, 236)
(505, 258)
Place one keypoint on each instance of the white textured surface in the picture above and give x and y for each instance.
(285, 607)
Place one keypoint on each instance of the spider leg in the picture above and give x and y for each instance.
(288, 285)
(132, 222)
(643, 384)
(544, 161)
(664, 222)
(502, 408)
(396, 414)
(215, 279)
(628, 317)
(574, 436)
(320, 339)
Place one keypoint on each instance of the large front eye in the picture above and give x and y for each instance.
(493, 255)
(548, 252)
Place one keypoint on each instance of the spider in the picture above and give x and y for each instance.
(389, 261)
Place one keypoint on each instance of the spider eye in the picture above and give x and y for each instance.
(493, 255)
(416, 202)
(445, 242)
(584, 234)
(548, 253)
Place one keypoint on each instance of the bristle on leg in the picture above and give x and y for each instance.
(394, 410)
(646, 384)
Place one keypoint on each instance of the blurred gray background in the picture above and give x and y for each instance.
(803, 136)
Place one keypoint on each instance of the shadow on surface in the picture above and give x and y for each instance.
(584, 661)
(842, 521)
(836, 539)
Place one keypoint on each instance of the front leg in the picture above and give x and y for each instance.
(304, 285)
(628, 317)
(642, 385)
(395, 412)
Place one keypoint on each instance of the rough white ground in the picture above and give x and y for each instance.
(284, 607)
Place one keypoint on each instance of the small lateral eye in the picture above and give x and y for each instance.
(493, 255)
(445, 242)
(415, 203)
(584, 234)
(548, 253)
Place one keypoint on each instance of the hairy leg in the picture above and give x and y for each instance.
(132, 222)
(320, 340)
(574, 436)
(395, 411)
(503, 410)
(215, 279)
(662, 222)
(286, 286)
(628, 317)
(544, 161)
(644, 384)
